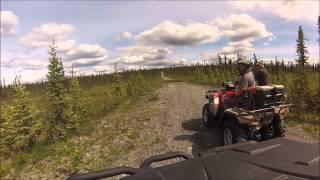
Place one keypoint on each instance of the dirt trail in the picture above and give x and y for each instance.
(179, 118)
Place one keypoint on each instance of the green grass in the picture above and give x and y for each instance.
(309, 123)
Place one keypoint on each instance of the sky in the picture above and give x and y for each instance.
(93, 36)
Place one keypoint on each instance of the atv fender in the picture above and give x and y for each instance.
(243, 119)
(228, 114)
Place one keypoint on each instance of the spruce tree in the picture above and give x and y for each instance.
(19, 121)
(255, 60)
(225, 59)
(301, 50)
(5, 139)
(319, 28)
(57, 105)
(118, 87)
(75, 104)
(220, 60)
(300, 90)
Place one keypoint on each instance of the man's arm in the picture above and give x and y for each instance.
(243, 86)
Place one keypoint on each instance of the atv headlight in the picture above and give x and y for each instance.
(215, 104)
(216, 100)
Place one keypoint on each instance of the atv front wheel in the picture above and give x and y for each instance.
(207, 117)
(232, 133)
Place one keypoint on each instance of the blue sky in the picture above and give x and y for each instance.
(94, 35)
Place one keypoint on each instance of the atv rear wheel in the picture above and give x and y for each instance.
(232, 132)
(267, 132)
(279, 125)
(207, 117)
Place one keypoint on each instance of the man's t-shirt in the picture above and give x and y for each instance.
(247, 81)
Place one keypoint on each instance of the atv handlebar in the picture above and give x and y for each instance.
(106, 173)
(163, 157)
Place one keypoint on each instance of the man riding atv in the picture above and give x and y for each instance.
(246, 81)
(245, 111)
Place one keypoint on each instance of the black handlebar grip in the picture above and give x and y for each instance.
(104, 173)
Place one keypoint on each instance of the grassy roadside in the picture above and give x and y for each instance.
(308, 126)
(99, 143)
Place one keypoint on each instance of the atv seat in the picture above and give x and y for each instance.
(248, 101)
(262, 97)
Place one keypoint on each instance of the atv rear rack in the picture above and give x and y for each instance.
(244, 112)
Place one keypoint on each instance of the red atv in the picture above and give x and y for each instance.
(261, 117)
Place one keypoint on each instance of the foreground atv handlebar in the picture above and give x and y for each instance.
(163, 157)
(106, 173)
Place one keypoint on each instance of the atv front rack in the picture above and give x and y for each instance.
(277, 158)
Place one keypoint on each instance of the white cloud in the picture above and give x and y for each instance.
(145, 52)
(242, 47)
(287, 9)
(64, 46)
(33, 75)
(147, 56)
(241, 30)
(43, 35)
(86, 62)
(103, 69)
(72, 70)
(239, 27)
(9, 23)
(172, 34)
(209, 57)
(314, 60)
(25, 63)
(86, 51)
(80, 55)
(31, 64)
(6, 62)
(124, 36)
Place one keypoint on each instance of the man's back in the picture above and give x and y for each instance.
(247, 81)
(262, 77)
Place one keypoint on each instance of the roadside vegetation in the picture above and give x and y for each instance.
(40, 120)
